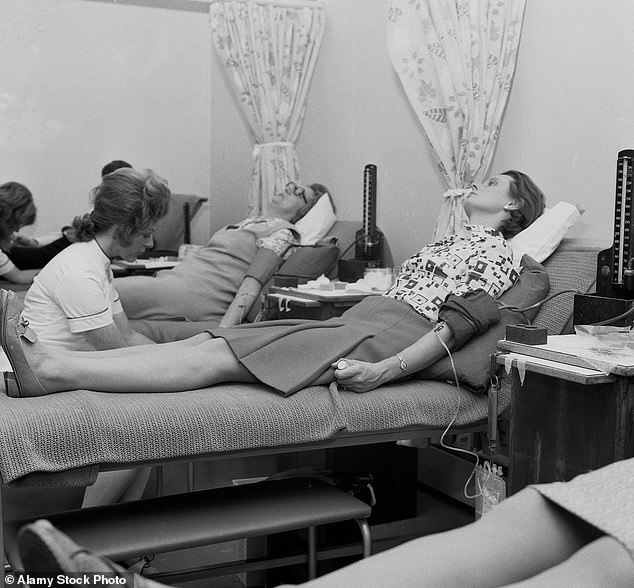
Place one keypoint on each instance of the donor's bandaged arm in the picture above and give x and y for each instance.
(604, 348)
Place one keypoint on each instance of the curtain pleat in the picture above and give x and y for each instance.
(269, 52)
(456, 60)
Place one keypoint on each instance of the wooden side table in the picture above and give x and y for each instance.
(565, 419)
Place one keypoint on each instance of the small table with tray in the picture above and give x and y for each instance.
(314, 303)
(142, 266)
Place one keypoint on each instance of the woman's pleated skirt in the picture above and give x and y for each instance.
(290, 354)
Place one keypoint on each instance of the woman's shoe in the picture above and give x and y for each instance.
(22, 382)
(47, 551)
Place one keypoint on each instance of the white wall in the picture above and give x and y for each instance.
(358, 114)
(82, 83)
(85, 82)
(571, 108)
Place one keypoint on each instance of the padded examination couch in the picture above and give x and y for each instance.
(65, 439)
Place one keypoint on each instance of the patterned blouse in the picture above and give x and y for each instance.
(476, 259)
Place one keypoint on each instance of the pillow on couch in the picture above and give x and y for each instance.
(316, 223)
(473, 360)
(321, 257)
(542, 237)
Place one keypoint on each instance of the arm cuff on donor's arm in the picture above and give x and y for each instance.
(264, 265)
(468, 315)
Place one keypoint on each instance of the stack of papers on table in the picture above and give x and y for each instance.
(579, 350)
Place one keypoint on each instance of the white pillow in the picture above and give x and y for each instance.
(542, 236)
(316, 223)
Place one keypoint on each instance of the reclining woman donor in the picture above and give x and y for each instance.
(219, 282)
(443, 296)
(72, 303)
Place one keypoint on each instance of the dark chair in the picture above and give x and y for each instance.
(174, 228)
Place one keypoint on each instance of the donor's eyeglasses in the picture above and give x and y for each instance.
(297, 190)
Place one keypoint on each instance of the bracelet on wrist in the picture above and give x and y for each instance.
(402, 364)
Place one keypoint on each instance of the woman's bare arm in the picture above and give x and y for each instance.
(361, 376)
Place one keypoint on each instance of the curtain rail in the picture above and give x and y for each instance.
(196, 6)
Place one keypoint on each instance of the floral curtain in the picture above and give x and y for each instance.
(269, 50)
(455, 60)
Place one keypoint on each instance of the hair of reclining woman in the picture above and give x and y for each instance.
(443, 296)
